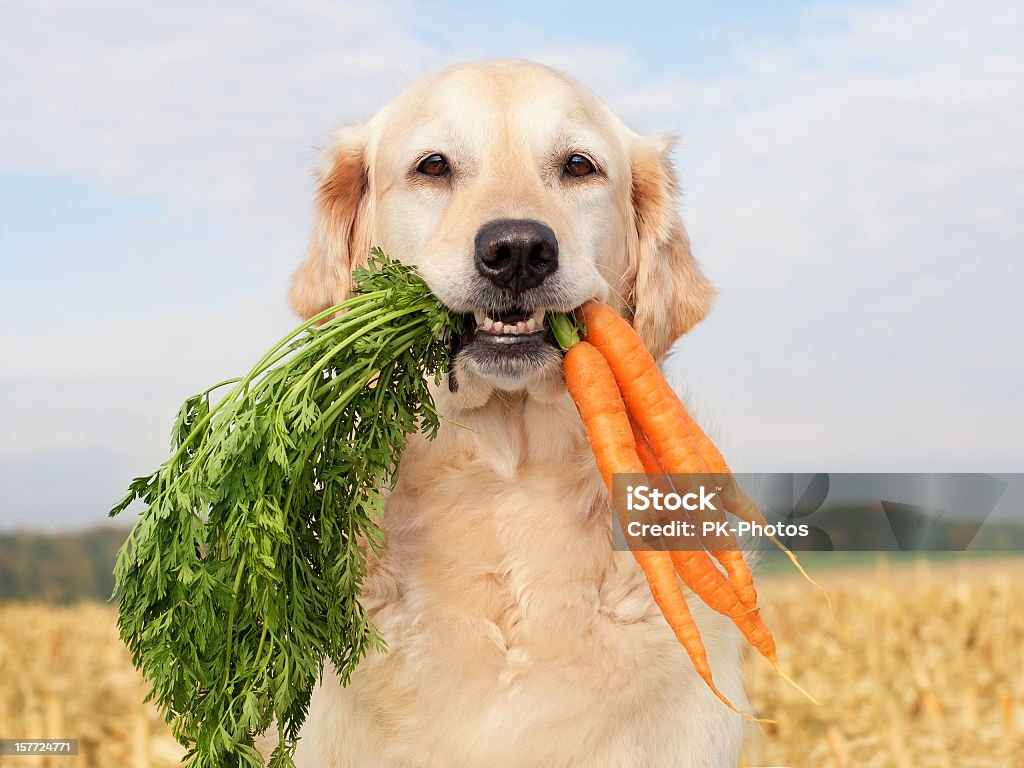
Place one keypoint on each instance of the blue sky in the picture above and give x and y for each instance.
(853, 176)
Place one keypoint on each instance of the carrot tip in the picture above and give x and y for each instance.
(793, 559)
(794, 683)
(724, 699)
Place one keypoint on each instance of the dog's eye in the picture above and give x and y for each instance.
(434, 165)
(578, 165)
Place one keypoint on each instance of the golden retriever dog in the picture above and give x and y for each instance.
(517, 637)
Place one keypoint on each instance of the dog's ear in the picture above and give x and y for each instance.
(669, 294)
(340, 228)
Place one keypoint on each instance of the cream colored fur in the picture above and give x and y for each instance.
(517, 637)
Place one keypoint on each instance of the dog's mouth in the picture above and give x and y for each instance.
(506, 345)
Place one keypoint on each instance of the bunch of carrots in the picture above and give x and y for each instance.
(636, 424)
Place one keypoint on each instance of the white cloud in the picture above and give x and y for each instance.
(113, 385)
(212, 106)
(88, 407)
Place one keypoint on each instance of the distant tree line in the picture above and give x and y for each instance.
(66, 567)
(902, 528)
(59, 567)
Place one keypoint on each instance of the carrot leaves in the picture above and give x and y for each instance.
(240, 578)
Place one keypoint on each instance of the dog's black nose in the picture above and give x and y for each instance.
(516, 254)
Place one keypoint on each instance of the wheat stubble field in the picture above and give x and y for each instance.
(921, 667)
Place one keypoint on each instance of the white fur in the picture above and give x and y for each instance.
(517, 636)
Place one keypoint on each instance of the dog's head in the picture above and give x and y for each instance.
(515, 191)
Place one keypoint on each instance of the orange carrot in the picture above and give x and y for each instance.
(663, 419)
(702, 577)
(592, 386)
(614, 336)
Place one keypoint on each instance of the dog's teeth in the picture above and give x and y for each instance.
(489, 325)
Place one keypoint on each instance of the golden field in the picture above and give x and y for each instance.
(921, 667)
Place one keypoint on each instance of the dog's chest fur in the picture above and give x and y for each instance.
(516, 636)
